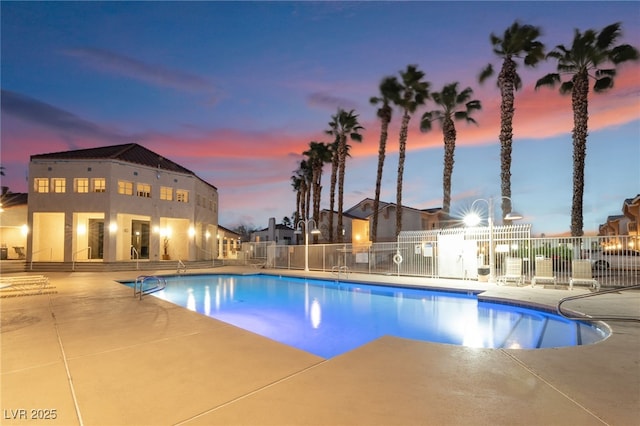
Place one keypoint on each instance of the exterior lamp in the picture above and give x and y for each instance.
(473, 219)
(314, 231)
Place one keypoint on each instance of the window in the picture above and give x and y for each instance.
(59, 185)
(81, 185)
(99, 184)
(166, 193)
(182, 196)
(41, 185)
(143, 190)
(125, 187)
(198, 199)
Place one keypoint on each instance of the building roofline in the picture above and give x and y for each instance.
(132, 153)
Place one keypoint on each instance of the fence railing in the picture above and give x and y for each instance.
(615, 261)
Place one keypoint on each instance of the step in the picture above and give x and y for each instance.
(115, 266)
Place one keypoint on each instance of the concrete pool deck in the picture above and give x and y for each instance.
(98, 356)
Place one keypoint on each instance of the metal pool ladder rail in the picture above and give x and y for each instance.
(337, 270)
(138, 286)
(581, 316)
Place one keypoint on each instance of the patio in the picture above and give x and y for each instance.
(96, 355)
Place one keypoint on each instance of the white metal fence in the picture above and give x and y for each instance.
(463, 253)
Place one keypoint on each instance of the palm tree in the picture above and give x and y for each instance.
(583, 60)
(389, 92)
(305, 169)
(518, 41)
(450, 102)
(318, 154)
(300, 181)
(342, 125)
(414, 92)
(334, 181)
(296, 183)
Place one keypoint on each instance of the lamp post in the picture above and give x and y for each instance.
(298, 231)
(473, 219)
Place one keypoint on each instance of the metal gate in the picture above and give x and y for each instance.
(459, 252)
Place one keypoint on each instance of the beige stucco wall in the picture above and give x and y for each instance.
(192, 224)
(13, 229)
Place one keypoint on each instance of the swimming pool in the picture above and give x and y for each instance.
(328, 318)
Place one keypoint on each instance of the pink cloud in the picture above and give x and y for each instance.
(105, 60)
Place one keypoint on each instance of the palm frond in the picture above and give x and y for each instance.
(517, 81)
(566, 87)
(426, 121)
(485, 73)
(603, 84)
(610, 72)
(474, 105)
(548, 80)
(623, 53)
(608, 36)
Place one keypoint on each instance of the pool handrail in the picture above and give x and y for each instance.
(161, 285)
(581, 316)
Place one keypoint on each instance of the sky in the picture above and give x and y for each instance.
(235, 91)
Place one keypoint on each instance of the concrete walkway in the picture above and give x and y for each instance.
(91, 354)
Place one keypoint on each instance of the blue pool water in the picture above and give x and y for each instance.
(328, 318)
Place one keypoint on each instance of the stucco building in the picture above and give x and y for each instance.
(118, 203)
(358, 220)
(625, 224)
(13, 225)
(279, 233)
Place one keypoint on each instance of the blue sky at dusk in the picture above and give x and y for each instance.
(235, 91)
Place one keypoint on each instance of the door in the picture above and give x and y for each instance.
(96, 238)
(140, 239)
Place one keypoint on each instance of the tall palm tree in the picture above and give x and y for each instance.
(453, 106)
(343, 125)
(307, 173)
(334, 181)
(414, 92)
(296, 183)
(517, 42)
(301, 180)
(389, 93)
(585, 59)
(318, 154)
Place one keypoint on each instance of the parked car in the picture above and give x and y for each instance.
(603, 260)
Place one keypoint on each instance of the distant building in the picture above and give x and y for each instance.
(13, 225)
(625, 224)
(358, 220)
(118, 203)
(279, 233)
(229, 243)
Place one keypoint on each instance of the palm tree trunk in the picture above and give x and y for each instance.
(298, 207)
(449, 133)
(317, 190)
(308, 203)
(342, 160)
(401, 155)
(580, 104)
(384, 131)
(506, 81)
(332, 196)
(317, 173)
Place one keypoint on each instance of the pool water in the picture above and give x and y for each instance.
(328, 318)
